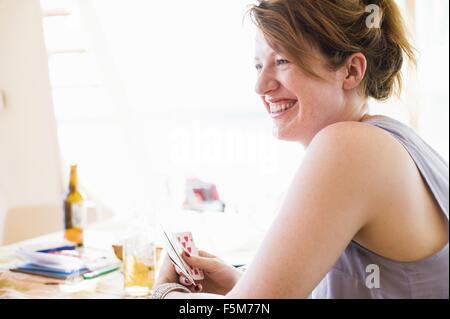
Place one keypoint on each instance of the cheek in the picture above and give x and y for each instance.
(320, 100)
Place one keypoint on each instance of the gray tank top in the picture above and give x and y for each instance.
(361, 273)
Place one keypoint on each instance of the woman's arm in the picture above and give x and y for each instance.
(329, 202)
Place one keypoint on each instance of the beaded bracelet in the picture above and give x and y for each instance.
(162, 290)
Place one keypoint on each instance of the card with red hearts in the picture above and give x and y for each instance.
(174, 255)
(185, 242)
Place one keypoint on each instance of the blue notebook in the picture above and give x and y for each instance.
(49, 272)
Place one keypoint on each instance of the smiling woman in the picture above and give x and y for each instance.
(370, 194)
(320, 48)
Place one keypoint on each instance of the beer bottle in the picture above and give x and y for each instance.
(74, 210)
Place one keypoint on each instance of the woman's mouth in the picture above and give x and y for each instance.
(280, 108)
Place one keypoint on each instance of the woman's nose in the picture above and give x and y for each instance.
(265, 84)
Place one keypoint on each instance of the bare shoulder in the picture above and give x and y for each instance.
(354, 135)
(361, 148)
(367, 161)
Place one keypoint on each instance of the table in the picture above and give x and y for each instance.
(110, 286)
(18, 285)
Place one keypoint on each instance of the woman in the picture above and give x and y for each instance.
(366, 215)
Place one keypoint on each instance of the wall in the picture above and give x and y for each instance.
(30, 169)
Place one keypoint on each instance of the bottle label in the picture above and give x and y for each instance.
(78, 214)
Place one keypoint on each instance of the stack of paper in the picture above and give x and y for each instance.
(63, 260)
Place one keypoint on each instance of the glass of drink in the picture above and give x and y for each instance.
(138, 265)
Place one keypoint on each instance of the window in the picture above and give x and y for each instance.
(147, 96)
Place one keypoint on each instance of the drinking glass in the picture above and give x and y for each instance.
(138, 265)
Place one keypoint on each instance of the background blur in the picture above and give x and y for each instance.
(143, 94)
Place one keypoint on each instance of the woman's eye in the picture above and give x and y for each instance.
(282, 61)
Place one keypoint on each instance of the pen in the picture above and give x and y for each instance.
(56, 249)
(100, 272)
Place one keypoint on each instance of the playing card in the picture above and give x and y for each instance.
(185, 242)
(176, 259)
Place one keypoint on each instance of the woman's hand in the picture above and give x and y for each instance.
(220, 277)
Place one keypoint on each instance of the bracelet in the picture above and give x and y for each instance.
(162, 290)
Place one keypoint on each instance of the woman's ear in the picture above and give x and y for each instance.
(355, 68)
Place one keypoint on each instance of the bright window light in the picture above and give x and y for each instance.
(148, 94)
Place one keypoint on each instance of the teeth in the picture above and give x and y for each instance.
(277, 108)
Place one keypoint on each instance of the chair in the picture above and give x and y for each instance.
(31, 221)
(23, 223)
